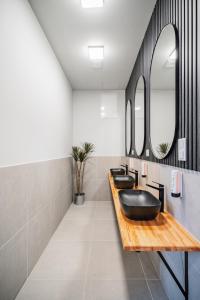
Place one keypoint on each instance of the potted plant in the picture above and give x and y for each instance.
(80, 156)
(163, 149)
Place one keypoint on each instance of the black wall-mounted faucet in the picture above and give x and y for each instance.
(135, 172)
(126, 168)
(160, 188)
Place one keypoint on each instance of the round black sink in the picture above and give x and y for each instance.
(139, 205)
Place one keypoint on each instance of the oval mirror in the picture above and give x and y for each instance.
(128, 127)
(139, 116)
(163, 93)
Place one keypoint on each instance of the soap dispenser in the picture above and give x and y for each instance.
(131, 163)
(144, 169)
(176, 183)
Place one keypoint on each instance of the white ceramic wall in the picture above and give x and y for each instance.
(187, 211)
(35, 96)
(99, 117)
(35, 126)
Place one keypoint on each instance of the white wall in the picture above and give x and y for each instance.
(35, 96)
(99, 117)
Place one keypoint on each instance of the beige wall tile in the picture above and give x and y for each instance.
(14, 190)
(91, 190)
(104, 192)
(96, 185)
(105, 163)
(60, 205)
(39, 194)
(36, 196)
(91, 169)
(40, 230)
(13, 265)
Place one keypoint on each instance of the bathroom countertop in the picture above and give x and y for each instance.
(162, 234)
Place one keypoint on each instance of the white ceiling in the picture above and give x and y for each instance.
(120, 26)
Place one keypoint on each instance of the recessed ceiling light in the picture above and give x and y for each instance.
(92, 3)
(172, 56)
(170, 63)
(96, 53)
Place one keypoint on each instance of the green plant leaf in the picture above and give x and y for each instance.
(75, 153)
(163, 149)
(88, 147)
(80, 156)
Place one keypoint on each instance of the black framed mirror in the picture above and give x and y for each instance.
(163, 95)
(140, 116)
(128, 127)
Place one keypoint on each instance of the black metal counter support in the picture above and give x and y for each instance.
(184, 290)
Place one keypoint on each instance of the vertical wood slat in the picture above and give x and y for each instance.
(198, 86)
(194, 86)
(190, 81)
(182, 31)
(183, 14)
(186, 46)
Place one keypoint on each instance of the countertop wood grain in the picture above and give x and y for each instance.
(162, 234)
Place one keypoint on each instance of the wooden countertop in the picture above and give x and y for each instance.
(162, 234)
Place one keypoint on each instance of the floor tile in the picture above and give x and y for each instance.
(79, 212)
(105, 230)
(109, 261)
(74, 230)
(104, 203)
(117, 290)
(98, 204)
(157, 290)
(147, 265)
(86, 248)
(104, 213)
(63, 261)
(51, 290)
(89, 203)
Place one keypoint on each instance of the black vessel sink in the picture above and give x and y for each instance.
(139, 205)
(117, 171)
(123, 181)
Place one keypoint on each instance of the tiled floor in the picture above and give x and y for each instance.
(84, 260)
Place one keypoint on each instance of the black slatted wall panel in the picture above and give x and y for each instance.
(184, 15)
